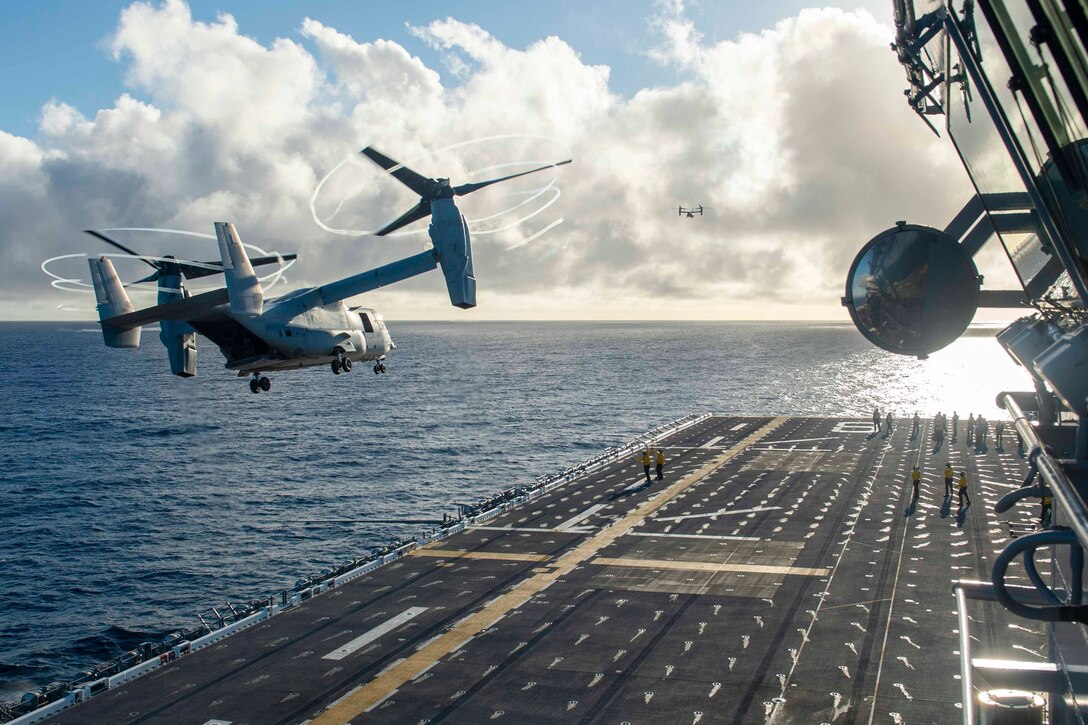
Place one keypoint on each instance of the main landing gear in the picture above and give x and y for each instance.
(379, 367)
(259, 383)
(341, 364)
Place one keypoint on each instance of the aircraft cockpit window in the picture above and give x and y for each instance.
(368, 326)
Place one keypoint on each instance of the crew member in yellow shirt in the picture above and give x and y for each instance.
(916, 479)
(646, 460)
(949, 474)
(963, 489)
(659, 457)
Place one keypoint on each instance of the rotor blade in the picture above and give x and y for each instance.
(196, 271)
(422, 210)
(150, 278)
(123, 248)
(416, 182)
(471, 187)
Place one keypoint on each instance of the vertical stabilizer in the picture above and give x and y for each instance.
(246, 295)
(112, 301)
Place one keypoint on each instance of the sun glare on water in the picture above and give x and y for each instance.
(965, 378)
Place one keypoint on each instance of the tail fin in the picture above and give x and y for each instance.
(246, 295)
(112, 301)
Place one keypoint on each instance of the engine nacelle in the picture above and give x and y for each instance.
(179, 339)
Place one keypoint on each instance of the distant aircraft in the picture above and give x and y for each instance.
(303, 328)
(681, 211)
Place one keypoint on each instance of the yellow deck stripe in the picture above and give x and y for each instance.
(384, 684)
(498, 555)
(711, 566)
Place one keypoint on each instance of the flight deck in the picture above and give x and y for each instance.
(781, 572)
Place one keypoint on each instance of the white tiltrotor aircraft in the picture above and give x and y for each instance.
(303, 328)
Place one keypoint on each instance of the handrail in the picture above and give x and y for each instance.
(1065, 493)
(966, 681)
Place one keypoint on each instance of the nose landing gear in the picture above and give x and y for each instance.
(259, 383)
(379, 367)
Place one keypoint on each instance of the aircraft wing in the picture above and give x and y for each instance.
(197, 307)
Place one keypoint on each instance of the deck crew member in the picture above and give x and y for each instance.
(980, 431)
(963, 489)
(914, 425)
(949, 474)
(876, 419)
(955, 424)
(646, 463)
(999, 433)
(938, 428)
(915, 479)
(1044, 511)
(659, 457)
(970, 428)
(888, 424)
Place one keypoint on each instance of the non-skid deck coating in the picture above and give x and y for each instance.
(780, 573)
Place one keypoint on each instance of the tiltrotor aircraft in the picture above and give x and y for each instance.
(303, 328)
(690, 213)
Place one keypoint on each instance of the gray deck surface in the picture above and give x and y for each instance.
(794, 582)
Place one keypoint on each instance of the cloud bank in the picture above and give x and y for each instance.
(796, 140)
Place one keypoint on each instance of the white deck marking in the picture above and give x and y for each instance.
(723, 512)
(569, 530)
(367, 637)
(712, 441)
(699, 536)
(852, 426)
(801, 440)
(738, 426)
(571, 522)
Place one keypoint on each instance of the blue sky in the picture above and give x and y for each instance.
(777, 116)
(57, 49)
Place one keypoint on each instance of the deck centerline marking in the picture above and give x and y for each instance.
(381, 686)
(369, 636)
(711, 566)
(710, 443)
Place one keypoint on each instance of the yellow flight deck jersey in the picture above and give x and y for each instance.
(916, 475)
(645, 458)
(963, 481)
(660, 456)
(949, 473)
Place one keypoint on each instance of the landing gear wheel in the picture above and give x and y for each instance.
(377, 369)
(336, 367)
(381, 368)
(265, 384)
(345, 364)
(254, 386)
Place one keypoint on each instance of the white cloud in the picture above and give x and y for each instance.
(796, 140)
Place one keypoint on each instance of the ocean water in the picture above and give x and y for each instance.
(131, 499)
